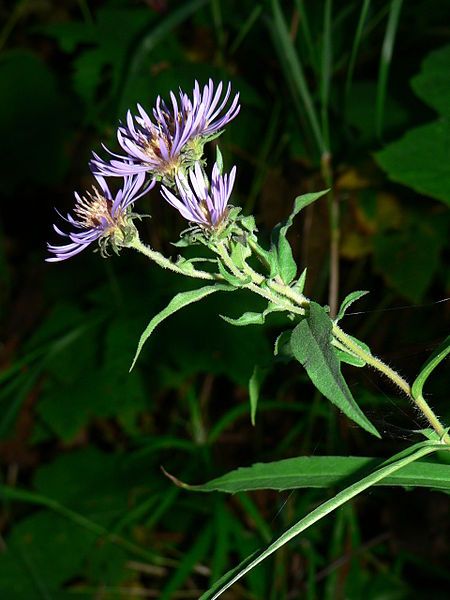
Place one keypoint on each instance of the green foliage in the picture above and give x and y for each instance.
(396, 463)
(85, 509)
(348, 301)
(409, 258)
(420, 158)
(287, 266)
(435, 360)
(179, 301)
(38, 129)
(323, 472)
(311, 346)
(254, 387)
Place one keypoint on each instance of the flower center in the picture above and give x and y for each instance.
(94, 210)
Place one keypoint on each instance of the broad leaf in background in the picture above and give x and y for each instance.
(311, 346)
(410, 257)
(40, 126)
(420, 158)
(37, 563)
(286, 262)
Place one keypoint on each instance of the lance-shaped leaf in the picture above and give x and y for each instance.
(311, 343)
(253, 318)
(344, 354)
(435, 359)
(321, 472)
(286, 262)
(348, 301)
(179, 301)
(254, 386)
(386, 470)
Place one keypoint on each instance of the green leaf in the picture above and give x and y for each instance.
(282, 346)
(253, 318)
(322, 472)
(230, 278)
(435, 359)
(254, 385)
(385, 59)
(219, 159)
(294, 73)
(346, 355)
(42, 124)
(239, 253)
(190, 558)
(415, 452)
(420, 160)
(299, 286)
(408, 259)
(311, 343)
(348, 301)
(248, 318)
(179, 301)
(432, 84)
(286, 263)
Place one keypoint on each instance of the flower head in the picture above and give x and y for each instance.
(174, 137)
(200, 202)
(100, 216)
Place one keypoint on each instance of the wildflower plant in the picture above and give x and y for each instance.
(168, 148)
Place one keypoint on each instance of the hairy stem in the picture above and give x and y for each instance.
(256, 281)
(165, 263)
(378, 364)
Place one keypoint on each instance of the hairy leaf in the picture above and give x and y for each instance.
(348, 301)
(435, 359)
(311, 344)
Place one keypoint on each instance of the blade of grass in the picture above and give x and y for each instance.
(19, 495)
(152, 38)
(194, 555)
(385, 61)
(245, 28)
(355, 47)
(325, 71)
(307, 37)
(294, 70)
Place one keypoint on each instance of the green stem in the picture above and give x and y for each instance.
(256, 280)
(165, 263)
(378, 364)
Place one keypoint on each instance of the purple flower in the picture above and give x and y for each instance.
(199, 202)
(100, 216)
(174, 137)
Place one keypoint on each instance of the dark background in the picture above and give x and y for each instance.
(86, 511)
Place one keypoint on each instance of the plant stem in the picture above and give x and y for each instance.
(256, 281)
(165, 263)
(333, 210)
(378, 364)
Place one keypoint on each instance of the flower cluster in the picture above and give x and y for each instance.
(165, 147)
